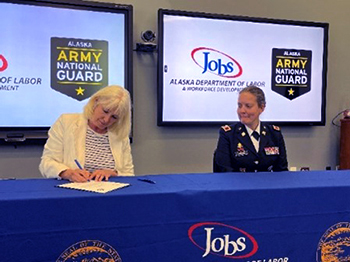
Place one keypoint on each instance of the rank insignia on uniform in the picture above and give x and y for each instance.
(273, 150)
(226, 128)
(239, 145)
(276, 128)
(263, 132)
(243, 134)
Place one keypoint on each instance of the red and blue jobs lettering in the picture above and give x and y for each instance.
(222, 240)
(216, 62)
(3, 63)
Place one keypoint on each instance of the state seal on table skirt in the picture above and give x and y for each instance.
(334, 244)
(90, 250)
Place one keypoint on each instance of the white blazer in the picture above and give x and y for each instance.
(66, 143)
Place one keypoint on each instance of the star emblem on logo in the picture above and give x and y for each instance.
(291, 92)
(80, 91)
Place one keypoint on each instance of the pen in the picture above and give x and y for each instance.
(81, 168)
(146, 180)
(78, 164)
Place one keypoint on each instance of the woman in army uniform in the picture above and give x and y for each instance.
(250, 145)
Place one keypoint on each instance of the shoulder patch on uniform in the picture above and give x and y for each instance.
(276, 128)
(226, 128)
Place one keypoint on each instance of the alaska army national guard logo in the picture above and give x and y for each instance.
(79, 67)
(89, 250)
(291, 72)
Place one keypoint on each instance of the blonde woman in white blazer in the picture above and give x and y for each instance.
(94, 145)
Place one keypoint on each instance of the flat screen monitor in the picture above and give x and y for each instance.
(54, 55)
(206, 59)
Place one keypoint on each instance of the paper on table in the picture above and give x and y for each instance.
(94, 186)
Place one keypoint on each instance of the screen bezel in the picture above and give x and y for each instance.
(22, 133)
(163, 12)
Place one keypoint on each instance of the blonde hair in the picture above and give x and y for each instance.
(117, 100)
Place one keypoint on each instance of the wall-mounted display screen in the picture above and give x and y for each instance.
(206, 59)
(55, 55)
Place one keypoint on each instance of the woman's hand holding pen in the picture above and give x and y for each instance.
(76, 175)
(82, 175)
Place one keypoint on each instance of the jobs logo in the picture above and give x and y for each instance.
(222, 240)
(3, 63)
(216, 62)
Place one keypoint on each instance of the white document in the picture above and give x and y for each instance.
(94, 186)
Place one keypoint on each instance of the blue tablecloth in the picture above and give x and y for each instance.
(260, 217)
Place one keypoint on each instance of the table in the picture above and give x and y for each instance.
(255, 217)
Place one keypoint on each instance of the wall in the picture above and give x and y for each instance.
(189, 149)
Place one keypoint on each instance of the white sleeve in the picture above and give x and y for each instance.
(51, 164)
(128, 167)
